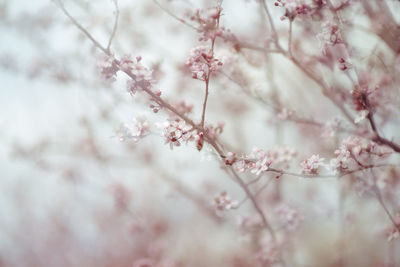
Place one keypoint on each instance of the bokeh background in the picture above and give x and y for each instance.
(73, 194)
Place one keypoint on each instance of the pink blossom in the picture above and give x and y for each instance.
(261, 165)
(143, 77)
(361, 115)
(108, 67)
(311, 165)
(294, 8)
(207, 22)
(230, 158)
(240, 165)
(356, 151)
(201, 63)
(261, 161)
(136, 130)
(330, 35)
(177, 131)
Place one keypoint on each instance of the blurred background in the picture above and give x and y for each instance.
(73, 194)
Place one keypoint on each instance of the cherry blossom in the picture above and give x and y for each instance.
(142, 76)
(201, 63)
(311, 165)
(177, 131)
(139, 128)
(108, 67)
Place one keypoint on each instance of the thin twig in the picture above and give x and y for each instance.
(259, 191)
(316, 176)
(80, 27)
(378, 138)
(207, 80)
(174, 16)
(275, 36)
(382, 203)
(203, 113)
(114, 30)
(255, 204)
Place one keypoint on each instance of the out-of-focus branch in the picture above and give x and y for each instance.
(316, 176)
(114, 30)
(378, 195)
(385, 25)
(80, 27)
(174, 16)
(275, 36)
(192, 196)
(378, 138)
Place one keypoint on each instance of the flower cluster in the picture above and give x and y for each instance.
(108, 67)
(311, 165)
(143, 77)
(230, 158)
(224, 202)
(259, 160)
(294, 8)
(207, 20)
(213, 131)
(356, 151)
(262, 161)
(202, 63)
(177, 131)
(361, 115)
(136, 130)
(330, 35)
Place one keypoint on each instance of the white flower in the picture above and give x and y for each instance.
(311, 165)
(136, 130)
(361, 116)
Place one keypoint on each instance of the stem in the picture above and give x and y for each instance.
(378, 138)
(80, 27)
(211, 52)
(203, 114)
(275, 36)
(312, 176)
(382, 203)
(114, 30)
(325, 92)
(191, 195)
(254, 202)
(174, 16)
